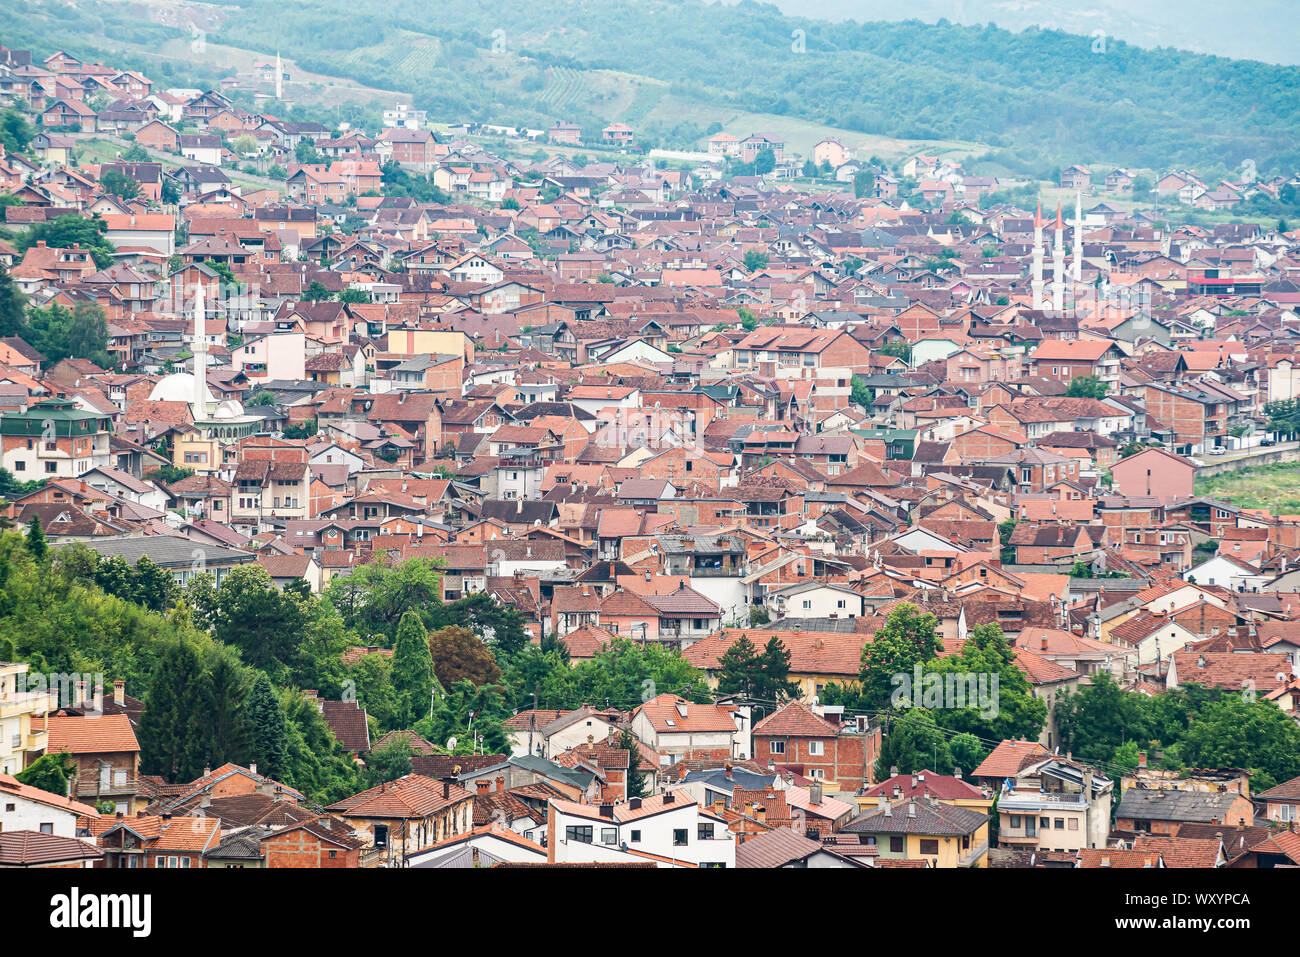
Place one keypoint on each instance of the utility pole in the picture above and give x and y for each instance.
(532, 718)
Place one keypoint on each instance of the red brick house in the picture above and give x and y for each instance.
(840, 755)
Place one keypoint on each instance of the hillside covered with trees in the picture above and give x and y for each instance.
(675, 70)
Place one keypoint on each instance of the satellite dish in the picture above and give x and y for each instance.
(451, 743)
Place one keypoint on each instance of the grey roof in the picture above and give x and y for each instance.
(169, 551)
(1143, 804)
(550, 769)
(782, 846)
(718, 779)
(917, 817)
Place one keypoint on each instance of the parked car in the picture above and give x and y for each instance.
(1218, 450)
(1267, 442)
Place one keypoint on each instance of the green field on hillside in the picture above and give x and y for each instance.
(1275, 487)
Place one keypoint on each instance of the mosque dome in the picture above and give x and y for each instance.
(177, 387)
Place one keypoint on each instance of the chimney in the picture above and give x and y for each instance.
(1142, 760)
(815, 794)
(252, 767)
(1200, 661)
(911, 809)
(669, 797)
(501, 783)
(682, 708)
(634, 804)
(446, 790)
(206, 770)
(119, 693)
(482, 786)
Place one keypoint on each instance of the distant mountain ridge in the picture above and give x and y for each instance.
(677, 68)
(1201, 26)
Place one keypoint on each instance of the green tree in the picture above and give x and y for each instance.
(907, 638)
(864, 184)
(119, 184)
(50, 772)
(913, 743)
(171, 728)
(155, 587)
(1087, 387)
(69, 230)
(227, 737)
(412, 671)
(374, 597)
(626, 673)
(999, 701)
(15, 132)
(36, 545)
(738, 669)
(1234, 732)
(315, 292)
(501, 626)
(773, 685)
(967, 753)
(269, 731)
(755, 260)
(1095, 720)
(13, 307)
(389, 763)
(900, 348)
(861, 394)
(372, 679)
(637, 786)
(765, 161)
(267, 625)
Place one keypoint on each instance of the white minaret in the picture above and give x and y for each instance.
(1058, 264)
(1036, 281)
(279, 77)
(200, 355)
(1076, 270)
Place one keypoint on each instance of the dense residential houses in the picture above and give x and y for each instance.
(646, 403)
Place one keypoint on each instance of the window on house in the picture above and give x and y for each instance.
(636, 837)
(705, 832)
(680, 837)
(776, 747)
(579, 832)
(47, 827)
(609, 835)
(896, 845)
(1074, 824)
(817, 748)
(381, 835)
(1013, 821)
(1060, 824)
(929, 846)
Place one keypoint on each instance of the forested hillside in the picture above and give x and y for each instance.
(675, 69)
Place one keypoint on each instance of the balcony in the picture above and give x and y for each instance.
(972, 857)
(1040, 800)
(123, 785)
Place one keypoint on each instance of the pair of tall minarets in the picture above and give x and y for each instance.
(1057, 301)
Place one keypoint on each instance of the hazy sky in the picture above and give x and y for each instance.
(1257, 30)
